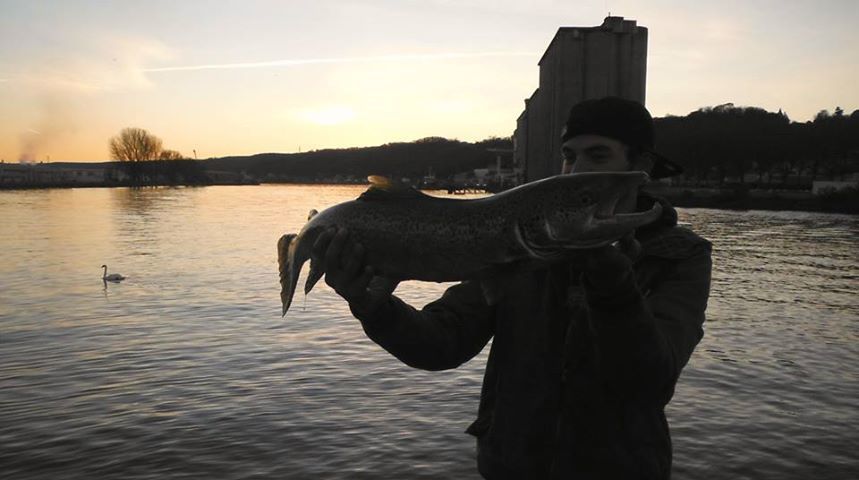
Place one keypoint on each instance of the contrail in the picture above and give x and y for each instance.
(311, 61)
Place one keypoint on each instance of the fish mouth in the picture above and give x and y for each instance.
(605, 209)
(600, 223)
(633, 220)
(606, 225)
(607, 230)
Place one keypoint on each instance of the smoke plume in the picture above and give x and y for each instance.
(55, 120)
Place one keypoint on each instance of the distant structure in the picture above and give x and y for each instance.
(580, 63)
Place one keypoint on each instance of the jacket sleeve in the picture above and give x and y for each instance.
(444, 334)
(644, 341)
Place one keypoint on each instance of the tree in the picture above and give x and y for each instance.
(167, 154)
(135, 145)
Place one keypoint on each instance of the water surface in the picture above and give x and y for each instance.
(186, 369)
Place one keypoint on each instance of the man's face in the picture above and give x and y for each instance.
(594, 153)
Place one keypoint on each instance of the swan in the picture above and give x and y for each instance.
(113, 277)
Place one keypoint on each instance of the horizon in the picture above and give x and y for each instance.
(329, 75)
(378, 145)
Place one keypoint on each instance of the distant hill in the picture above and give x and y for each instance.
(719, 145)
(715, 145)
(413, 159)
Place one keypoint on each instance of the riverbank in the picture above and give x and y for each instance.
(738, 198)
(845, 201)
(727, 198)
(155, 173)
(47, 186)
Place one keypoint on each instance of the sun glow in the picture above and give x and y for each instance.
(333, 115)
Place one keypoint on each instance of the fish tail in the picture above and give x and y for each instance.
(289, 269)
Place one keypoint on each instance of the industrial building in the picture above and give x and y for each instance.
(580, 63)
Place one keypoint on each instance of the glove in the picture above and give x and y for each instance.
(608, 269)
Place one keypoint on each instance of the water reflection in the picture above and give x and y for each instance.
(187, 369)
(142, 215)
(142, 200)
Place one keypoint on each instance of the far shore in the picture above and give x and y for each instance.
(739, 199)
(725, 198)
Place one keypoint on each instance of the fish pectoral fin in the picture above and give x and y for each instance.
(493, 290)
(315, 274)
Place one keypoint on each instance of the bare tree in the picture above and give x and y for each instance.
(135, 145)
(167, 154)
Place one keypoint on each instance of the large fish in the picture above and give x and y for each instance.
(408, 235)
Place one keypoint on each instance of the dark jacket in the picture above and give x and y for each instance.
(577, 380)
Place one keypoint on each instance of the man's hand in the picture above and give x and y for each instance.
(347, 274)
(607, 268)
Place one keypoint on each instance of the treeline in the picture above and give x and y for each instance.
(734, 144)
(715, 145)
(144, 161)
(180, 171)
(441, 156)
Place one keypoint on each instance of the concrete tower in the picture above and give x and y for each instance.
(580, 63)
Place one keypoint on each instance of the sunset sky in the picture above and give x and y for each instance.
(244, 77)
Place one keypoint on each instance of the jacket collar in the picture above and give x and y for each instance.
(663, 238)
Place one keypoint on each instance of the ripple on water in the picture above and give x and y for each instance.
(187, 370)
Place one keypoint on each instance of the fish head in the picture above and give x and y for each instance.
(589, 210)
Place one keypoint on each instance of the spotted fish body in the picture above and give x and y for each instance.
(408, 235)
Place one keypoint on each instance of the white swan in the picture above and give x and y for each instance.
(113, 277)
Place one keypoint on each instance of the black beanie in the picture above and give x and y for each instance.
(623, 120)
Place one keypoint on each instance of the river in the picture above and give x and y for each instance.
(186, 369)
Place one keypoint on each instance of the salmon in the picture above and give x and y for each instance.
(408, 235)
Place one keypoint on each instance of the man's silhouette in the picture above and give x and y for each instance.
(585, 353)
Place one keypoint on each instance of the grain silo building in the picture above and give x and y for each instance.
(580, 63)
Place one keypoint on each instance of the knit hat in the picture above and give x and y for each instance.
(623, 120)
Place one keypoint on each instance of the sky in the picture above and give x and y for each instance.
(225, 77)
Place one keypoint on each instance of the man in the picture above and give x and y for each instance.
(586, 353)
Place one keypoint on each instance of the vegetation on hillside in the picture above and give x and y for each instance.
(441, 156)
(726, 142)
(715, 145)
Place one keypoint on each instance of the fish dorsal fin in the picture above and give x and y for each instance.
(383, 188)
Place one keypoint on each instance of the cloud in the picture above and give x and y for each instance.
(103, 63)
(339, 60)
